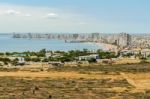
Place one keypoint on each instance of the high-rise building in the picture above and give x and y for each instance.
(124, 40)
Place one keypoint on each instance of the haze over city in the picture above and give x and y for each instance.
(72, 16)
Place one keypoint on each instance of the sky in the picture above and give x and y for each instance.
(72, 16)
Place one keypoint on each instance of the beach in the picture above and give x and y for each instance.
(107, 46)
(104, 46)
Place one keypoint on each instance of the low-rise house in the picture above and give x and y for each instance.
(19, 55)
(48, 55)
(94, 56)
(21, 60)
(131, 52)
(145, 52)
(53, 55)
(136, 51)
(125, 52)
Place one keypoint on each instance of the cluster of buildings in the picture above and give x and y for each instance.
(122, 39)
(127, 45)
(142, 41)
(138, 52)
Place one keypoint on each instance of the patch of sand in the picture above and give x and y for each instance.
(51, 74)
(128, 60)
(139, 80)
(57, 75)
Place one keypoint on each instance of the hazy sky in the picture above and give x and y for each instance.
(74, 16)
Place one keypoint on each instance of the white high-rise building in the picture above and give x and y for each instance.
(124, 40)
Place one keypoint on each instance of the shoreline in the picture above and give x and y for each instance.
(105, 46)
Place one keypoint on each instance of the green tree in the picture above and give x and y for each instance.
(106, 55)
(36, 59)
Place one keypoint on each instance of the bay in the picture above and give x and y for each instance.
(9, 44)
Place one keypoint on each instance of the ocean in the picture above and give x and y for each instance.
(9, 44)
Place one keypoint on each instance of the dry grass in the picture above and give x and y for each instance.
(93, 82)
(142, 80)
(61, 88)
(46, 74)
(128, 61)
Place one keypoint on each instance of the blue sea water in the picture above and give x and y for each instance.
(9, 44)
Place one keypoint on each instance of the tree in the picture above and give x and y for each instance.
(106, 55)
(92, 60)
(85, 50)
(27, 59)
(45, 60)
(36, 59)
(15, 62)
(41, 53)
(1, 54)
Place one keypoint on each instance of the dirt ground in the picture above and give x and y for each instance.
(61, 85)
(139, 80)
(108, 82)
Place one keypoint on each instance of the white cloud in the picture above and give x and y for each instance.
(12, 12)
(38, 19)
(51, 16)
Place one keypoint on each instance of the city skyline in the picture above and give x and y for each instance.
(74, 16)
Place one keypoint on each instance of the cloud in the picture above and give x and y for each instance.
(51, 16)
(12, 12)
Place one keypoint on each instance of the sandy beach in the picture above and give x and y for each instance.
(105, 46)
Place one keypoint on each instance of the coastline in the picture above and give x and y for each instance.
(107, 46)
(104, 46)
